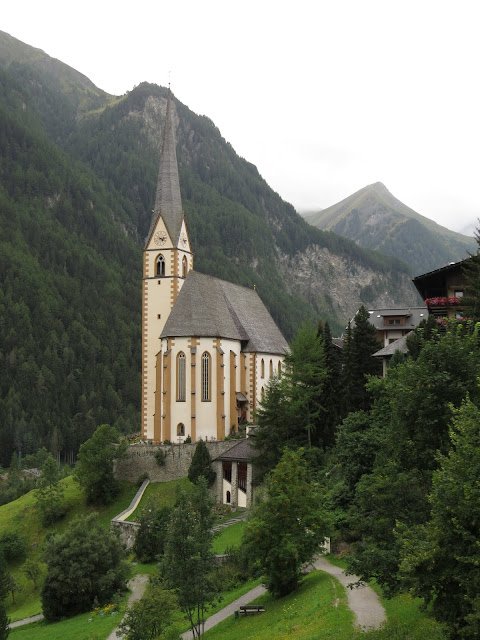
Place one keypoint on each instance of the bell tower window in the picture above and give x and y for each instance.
(160, 266)
(184, 267)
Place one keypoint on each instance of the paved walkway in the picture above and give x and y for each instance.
(19, 623)
(229, 610)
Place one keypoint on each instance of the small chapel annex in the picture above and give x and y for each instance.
(208, 346)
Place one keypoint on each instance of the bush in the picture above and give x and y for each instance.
(13, 546)
(150, 540)
(84, 563)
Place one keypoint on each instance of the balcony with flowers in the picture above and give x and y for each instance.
(443, 306)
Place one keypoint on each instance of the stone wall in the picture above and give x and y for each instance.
(127, 531)
(140, 460)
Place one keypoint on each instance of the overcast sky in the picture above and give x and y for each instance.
(323, 97)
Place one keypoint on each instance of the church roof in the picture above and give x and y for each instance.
(168, 201)
(210, 307)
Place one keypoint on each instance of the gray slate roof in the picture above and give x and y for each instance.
(389, 350)
(168, 201)
(414, 315)
(210, 307)
(242, 451)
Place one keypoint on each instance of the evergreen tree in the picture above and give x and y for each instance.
(49, 494)
(201, 465)
(329, 398)
(409, 426)
(441, 559)
(361, 344)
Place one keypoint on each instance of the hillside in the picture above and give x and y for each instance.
(375, 219)
(78, 173)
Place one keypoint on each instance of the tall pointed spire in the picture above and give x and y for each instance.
(168, 201)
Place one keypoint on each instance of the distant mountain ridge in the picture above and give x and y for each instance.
(375, 219)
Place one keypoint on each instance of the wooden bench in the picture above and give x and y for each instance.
(250, 608)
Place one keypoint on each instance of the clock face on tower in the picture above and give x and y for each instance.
(160, 237)
(183, 239)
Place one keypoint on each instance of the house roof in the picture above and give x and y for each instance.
(413, 316)
(210, 307)
(389, 350)
(168, 201)
(242, 451)
(436, 279)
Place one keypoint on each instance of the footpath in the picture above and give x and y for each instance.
(362, 600)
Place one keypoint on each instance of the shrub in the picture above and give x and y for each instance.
(13, 546)
(84, 563)
(160, 457)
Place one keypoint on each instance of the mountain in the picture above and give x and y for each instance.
(78, 171)
(375, 219)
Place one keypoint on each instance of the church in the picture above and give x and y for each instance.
(209, 346)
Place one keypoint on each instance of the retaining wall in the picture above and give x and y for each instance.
(141, 460)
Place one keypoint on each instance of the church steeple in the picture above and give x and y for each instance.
(168, 201)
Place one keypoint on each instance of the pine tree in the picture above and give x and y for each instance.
(362, 343)
(201, 465)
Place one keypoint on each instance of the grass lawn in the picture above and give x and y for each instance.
(229, 537)
(318, 610)
(21, 516)
(77, 628)
(159, 493)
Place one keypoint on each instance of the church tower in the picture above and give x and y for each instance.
(167, 259)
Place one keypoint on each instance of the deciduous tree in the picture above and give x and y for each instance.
(152, 617)
(84, 563)
(188, 558)
(287, 529)
(94, 471)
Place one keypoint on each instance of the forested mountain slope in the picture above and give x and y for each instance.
(69, 295)
(77, 181)
(374, 218)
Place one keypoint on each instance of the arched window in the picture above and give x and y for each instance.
(181, 378)
(160, 266)
(279, 369)
(228, 497)
(271, 368)
(262, 369)
(205, 377)
(184, 267)
(263, 393)
(181, 429)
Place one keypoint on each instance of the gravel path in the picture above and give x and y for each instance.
(363, 600)
(137, 585)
